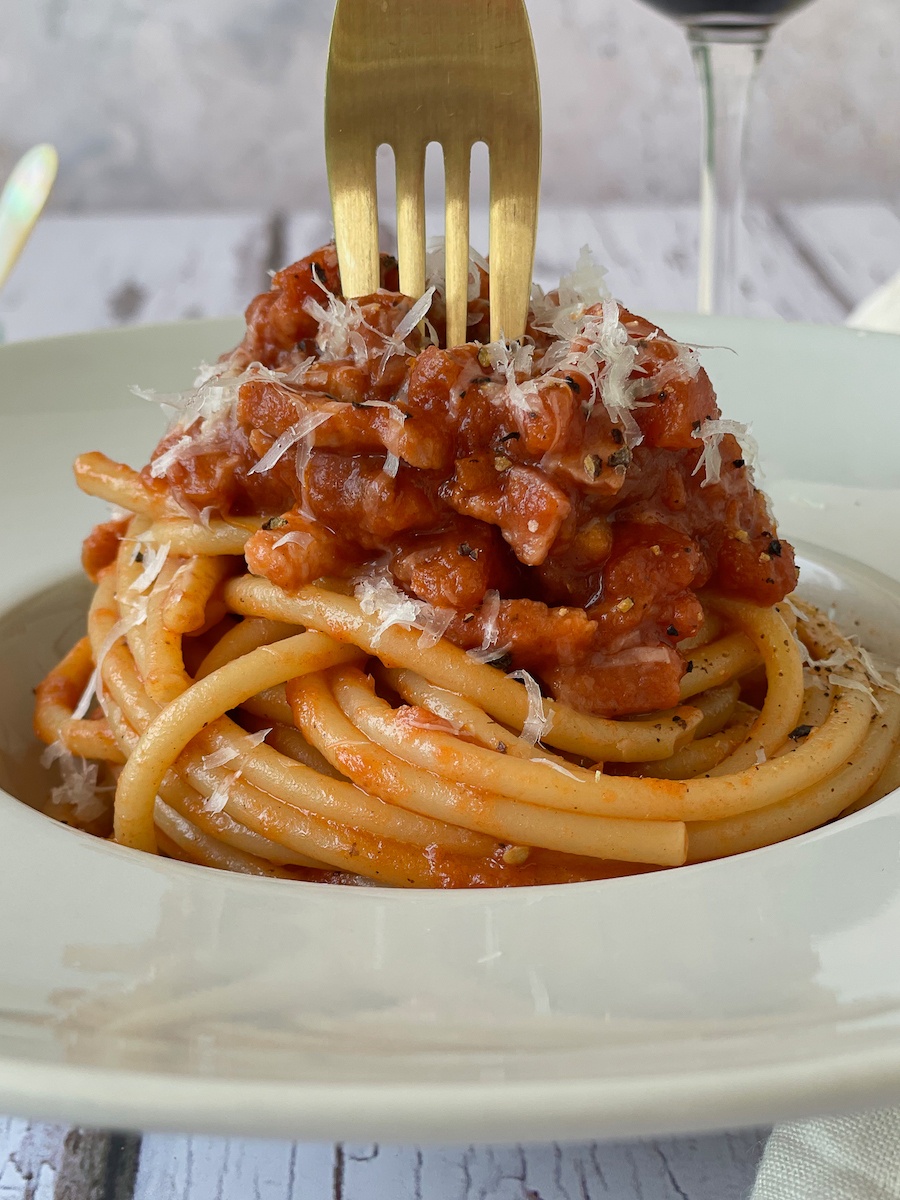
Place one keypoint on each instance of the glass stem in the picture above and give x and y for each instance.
(726, 60)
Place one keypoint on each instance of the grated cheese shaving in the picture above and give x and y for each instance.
(154, 561)
(586, 284)
(598, 347)
(537, 722)
(510, 360)
(216, 801)
(875, 674)
(548, 762)
(219, 757)
(299, 537)
(711, 434)
(215, 392)
(79, 787)
(338, 334)
(298, 431)
(226, 754)
(417, 313)
(391, 465)
(51, 753)
(436, 269)
(855, 685)
(490, 611)
(379, 596)
(256, 739)
(136, 617)
(489, 654)
(434, 623)
(176, 453)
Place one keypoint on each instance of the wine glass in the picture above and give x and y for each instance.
(727, 38)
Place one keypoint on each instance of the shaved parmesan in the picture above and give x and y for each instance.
(153, 563)
(176, 453)
(855, 685)
(417, 313)
(214, 393)
(297, 537)
(79, 787)
(555, 766)
(217, 799)
(711, 434)
(398, 415)
(875, 674)
(510, 360)
(51, 753)
(338, 334)
(586, 285)
(136, 617)
(436, 269)
(380, 597)
(391, 465)
(227, 754)
(434, 623)
(490, 614)
(536, 723)
(598, 347)
(611, 340)
(256, 739)
(489, 654)
(298, 431)
(219, 757)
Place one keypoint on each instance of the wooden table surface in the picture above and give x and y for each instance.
(802, 263)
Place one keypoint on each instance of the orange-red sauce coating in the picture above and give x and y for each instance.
(596, 545)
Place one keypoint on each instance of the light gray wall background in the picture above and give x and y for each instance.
(180, 104)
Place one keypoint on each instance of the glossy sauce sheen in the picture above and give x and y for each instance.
(597, 538)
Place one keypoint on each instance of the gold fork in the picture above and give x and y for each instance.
(409, 72)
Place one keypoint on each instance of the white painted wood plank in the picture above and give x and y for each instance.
(91, 272)
(303, 233)
(855, 247)
(206, 1168)
(717, 1167)
(53, 1162)
(30, 1156)
(720, 1167)
(651, 255)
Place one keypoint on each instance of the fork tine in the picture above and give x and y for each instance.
(354, 202)
(410, 163)
(515, 181)
(457, 162)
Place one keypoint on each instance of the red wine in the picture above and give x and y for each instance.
(726, 12)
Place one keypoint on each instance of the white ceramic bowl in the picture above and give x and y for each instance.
(150, 993)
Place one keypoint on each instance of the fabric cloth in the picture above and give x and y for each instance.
(837, 1158)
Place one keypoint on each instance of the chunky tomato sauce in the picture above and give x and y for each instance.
(583, 483)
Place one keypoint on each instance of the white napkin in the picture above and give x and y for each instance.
(835, 1158)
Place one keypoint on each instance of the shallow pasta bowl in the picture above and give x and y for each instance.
(143, 992)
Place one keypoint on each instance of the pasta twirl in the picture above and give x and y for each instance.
(503, 614)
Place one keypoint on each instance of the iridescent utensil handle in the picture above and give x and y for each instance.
(21, 201)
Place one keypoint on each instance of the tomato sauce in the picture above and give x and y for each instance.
(596, 519)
